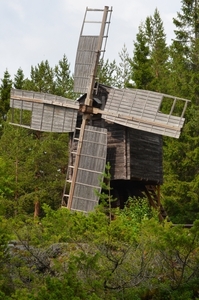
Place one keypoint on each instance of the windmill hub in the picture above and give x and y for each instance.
(86, 109)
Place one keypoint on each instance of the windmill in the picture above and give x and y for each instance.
(102, 118)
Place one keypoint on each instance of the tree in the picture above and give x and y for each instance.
(150, 61)
(108, 73)
(19, 79)
(159, 54)
(181, 158)
(63, 79)
(35, 166)
(6, 84)
(141, 61)
(124, 69)
(187, 26)
(132, 257)
(42, 78)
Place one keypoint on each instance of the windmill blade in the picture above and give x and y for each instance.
(89, 48)
(43, 112)
(143, 110)
(86, 178)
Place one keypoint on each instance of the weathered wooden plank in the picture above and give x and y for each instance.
(91, 165)
(146, 156)
(139, 109)
(49, 112)
(19, 104)
(85, 61)
(43, 98)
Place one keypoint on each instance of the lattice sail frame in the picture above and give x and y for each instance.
(90, 168)
(143, 110)
(47, 112)
(91, 48)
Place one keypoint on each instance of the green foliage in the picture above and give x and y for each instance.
(19, 79)
(141, 62)
(63, 79)
(6, 84)
(181, 157)
(107, 254)
(42, 78)
(137, 209)
(150, 61)
(132, 257)
(28, 175)
(108, 73)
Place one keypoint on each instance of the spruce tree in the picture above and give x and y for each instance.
(19, 79)
(6, 84)
(108, 73)
(63, 79)
(124, 69)
(150, 61)
(186, 22)
(42, 78)
(141, 61)
(181, 157)
(158, 51)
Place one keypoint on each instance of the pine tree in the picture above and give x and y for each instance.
(19, 79)
(150, 61)
(124, 69)
(63, 79)
(34, 166)
(187, 25)
(42, 78)
(108, 73)
(6, 84)
(181, 157)
(141, 61)
(158, 51)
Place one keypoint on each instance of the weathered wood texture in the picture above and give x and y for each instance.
(145, 156)
(91, 166)
(142, 111)
(85, 60)
(133, 154)
(116, 151)
(48, 112)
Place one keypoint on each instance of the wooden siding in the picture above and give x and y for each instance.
(140, 109)
(145, 156)
(85, 62)
(116, 151)
(91, 166)
(134, 154)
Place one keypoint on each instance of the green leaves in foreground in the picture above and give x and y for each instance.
(73, 256)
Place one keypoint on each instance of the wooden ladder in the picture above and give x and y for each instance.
(153, 194)
(69, 175)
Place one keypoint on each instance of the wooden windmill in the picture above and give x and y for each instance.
(122, 126)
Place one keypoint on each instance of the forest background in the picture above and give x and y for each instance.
(134, 255)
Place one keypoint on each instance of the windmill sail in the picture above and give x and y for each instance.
(90, 168)
(43, 112)
(143, 110)
(81, 196)
(89, 48)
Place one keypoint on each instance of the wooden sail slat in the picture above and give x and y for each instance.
(141, 109)
(91, 166)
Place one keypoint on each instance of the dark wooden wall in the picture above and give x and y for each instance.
(133, 154)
